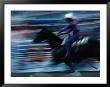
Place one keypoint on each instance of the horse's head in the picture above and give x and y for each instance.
(41, 36)
(46, 34)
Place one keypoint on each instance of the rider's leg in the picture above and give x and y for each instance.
(68, 49)
(68, 43)
(68, 56)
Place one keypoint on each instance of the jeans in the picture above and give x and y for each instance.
(69, 42)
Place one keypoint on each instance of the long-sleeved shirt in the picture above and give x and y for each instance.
(72, 27)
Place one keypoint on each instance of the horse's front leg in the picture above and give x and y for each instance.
(68, 61)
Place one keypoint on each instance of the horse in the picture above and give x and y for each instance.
(86, 47)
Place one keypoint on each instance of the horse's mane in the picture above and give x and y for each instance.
(50, 33)
(53, 39)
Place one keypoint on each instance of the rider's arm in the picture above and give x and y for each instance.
(68, 28)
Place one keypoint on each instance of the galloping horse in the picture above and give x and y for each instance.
(84, 48)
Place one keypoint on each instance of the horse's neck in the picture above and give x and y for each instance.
(54, 41)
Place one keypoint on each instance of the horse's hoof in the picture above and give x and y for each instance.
(74, 74)
(77, 73)
(72, 71)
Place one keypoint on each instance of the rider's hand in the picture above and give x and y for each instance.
(59, 33)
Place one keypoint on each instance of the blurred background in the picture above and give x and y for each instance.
(37, 61)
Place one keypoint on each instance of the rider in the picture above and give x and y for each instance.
(72, 33)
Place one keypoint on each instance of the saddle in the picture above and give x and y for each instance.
(80, 41)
